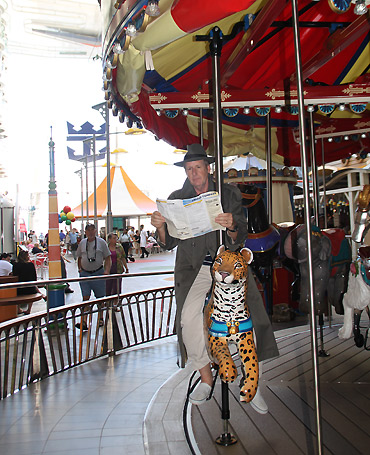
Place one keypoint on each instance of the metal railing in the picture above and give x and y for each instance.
(42, 344)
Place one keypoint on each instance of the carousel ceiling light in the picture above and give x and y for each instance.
(363, 135)
(131, 30)
(360, 8)
(346, 138)
(310, 108)
(117, 49)
(342, 107)
(159, 112)
(278, 109)
(185, 111)
(153, 9)
(330, 139)
(246, 110)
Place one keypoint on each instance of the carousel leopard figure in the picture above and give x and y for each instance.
(228, 321)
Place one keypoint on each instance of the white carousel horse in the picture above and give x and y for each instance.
(357, 297)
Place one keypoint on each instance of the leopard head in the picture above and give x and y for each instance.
(231, 267)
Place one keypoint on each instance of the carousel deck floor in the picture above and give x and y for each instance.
(289, 428)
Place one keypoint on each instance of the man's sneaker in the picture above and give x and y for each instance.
(259, 404)
(200, 394)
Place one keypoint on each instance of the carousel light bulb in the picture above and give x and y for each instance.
(278, 109)
(153, 9)
(363, 135)
(246, 110)
(159, 112)
(346, 138)
(117, 49)
(342, 107)
(185, 111)
(310, 108)
(330, 139)
(360, 8)
(131, 30)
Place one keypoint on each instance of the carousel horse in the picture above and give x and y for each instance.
(263, 238)
(227, 320)
(357, 297)
(331, 257)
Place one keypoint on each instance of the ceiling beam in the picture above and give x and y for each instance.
(251, 37)
(338, 41)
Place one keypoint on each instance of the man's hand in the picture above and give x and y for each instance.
(226, 220)
(157, 220)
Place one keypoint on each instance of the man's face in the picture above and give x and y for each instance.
(197, 173)
(90, 233)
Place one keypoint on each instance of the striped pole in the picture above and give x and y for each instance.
(55, 270)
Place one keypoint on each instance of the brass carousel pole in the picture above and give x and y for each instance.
(306, 192)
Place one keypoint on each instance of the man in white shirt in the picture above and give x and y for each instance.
(93, 260)
(6, 268)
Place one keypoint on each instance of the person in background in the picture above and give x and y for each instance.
(93, 260)
(136, 243)
(74, 242)
(36, 249)
(119, 263)
(62, 236)
(25, 270)
(143, 242)
(124, 240)
(6, 268)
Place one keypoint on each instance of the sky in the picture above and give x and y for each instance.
(45, 92)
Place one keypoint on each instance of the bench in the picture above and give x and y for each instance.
(9, 300)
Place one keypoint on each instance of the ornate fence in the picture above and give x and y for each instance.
(42, 344)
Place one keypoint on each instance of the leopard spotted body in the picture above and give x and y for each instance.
(227, 310)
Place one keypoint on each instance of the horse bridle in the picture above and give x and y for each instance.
(255, 197)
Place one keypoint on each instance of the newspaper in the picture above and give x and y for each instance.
(187, 218)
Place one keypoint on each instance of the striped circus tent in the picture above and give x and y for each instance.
(126, 198)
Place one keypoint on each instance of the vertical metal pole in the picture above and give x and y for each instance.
(87, 192)
(324, 184)
(82, 202)
(308, 225)
(269, 167)
(315, 180)
(94, 169)
(109, 226)
(201, 126)
(215, 48)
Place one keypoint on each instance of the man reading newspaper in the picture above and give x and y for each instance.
(193, 278)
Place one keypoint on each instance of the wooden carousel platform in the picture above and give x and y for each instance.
(287, 386)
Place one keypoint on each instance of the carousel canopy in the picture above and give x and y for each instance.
(126, 198)
(154, 65)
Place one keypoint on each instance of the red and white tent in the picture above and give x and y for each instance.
(126, 198)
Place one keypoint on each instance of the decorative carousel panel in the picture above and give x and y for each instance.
(293, 110)
(171, 113)
(262, 111)
(358, 108)
(340, 6)
(326, 108)
(231, 112)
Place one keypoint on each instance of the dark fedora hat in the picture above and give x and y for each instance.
(195, 152)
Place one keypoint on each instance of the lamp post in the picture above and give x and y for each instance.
(102, 108)
(79, 173)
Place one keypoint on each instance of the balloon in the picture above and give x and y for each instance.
(70, 215)
(74, 219)
(67, 209)
(63, 217)
(62, 213)
(68, 222)
(60, 220)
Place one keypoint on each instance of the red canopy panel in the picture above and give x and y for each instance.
(333, 52)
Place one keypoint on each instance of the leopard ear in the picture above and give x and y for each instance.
(247, 254)
(221, 249)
